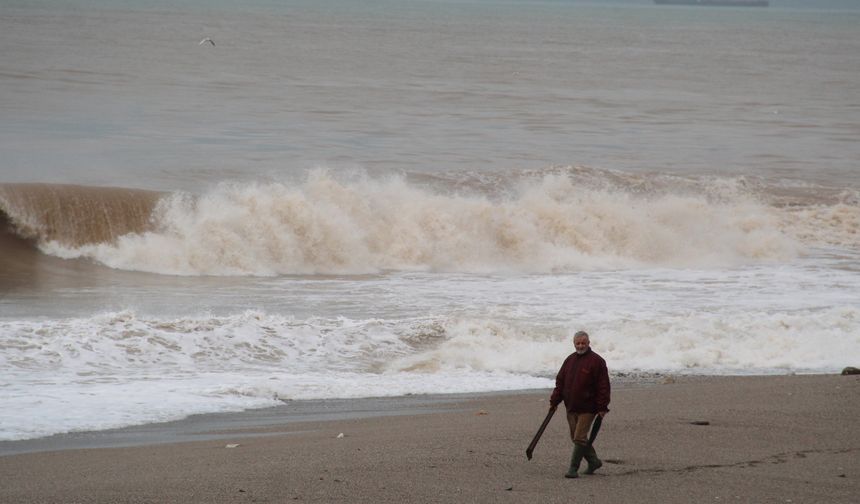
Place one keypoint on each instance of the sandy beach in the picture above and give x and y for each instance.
(768, 439)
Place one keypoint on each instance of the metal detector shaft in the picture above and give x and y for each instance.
(534, 442)
(595, 428)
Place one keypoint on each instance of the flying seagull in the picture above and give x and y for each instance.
(207, 39)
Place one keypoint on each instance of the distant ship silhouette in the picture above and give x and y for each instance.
(716, 3)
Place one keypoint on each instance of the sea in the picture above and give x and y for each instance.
(345, 199)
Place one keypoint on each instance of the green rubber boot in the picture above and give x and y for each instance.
(575, 459)
(594, 463)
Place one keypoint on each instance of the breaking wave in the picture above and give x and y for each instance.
(549, 222)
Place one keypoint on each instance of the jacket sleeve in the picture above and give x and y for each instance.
(556, 396)
(603, 388)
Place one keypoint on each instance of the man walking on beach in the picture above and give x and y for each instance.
(583, 384)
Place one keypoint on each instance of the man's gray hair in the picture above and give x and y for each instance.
(581, 333)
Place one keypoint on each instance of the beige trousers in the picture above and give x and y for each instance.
(580, 425)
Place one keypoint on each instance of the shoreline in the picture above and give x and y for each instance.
(211, 426)
(767, 439)
(246, 423)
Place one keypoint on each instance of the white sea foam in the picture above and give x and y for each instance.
(327, 226)
(65, 403)
(690, 342)
(120, 368)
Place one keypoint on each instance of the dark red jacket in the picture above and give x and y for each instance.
(582, 383)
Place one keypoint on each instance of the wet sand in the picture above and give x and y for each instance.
(768, 439)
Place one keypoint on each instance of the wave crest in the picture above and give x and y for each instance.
(74, 215)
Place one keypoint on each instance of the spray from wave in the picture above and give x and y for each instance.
(553, 222)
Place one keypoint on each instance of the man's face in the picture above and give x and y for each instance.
(581, 344)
